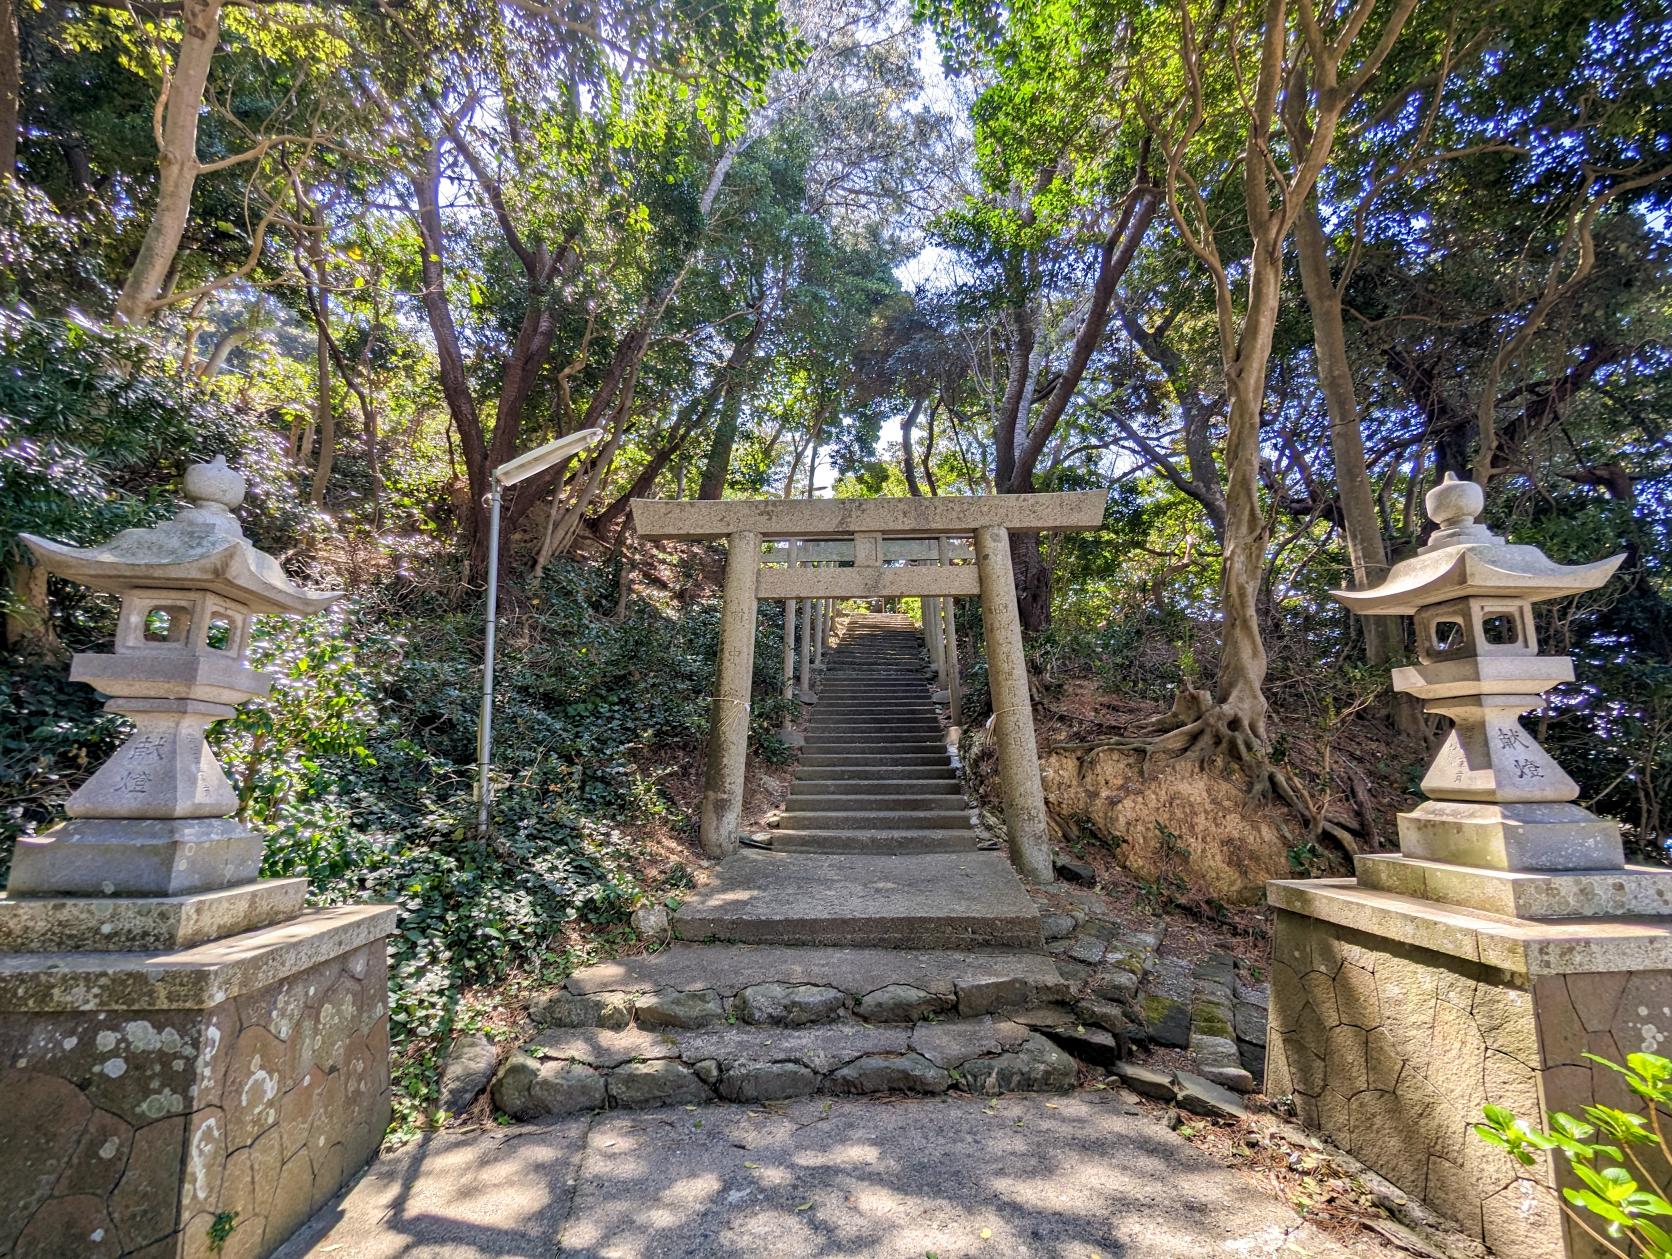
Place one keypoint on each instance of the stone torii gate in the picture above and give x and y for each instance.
(864, 524)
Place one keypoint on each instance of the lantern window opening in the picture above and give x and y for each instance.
(167, 624)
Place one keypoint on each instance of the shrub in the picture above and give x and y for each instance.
(1617, 1193)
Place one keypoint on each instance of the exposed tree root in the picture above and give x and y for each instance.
(1199, 731)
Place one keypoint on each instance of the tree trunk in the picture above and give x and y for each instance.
(1033, 582)
(1365, 550)
(29, 627)
(177, 164)
(11, 86)
(907, 458)
(713, 483)
(1239, 689)
(694, 414)
(325, 416)
(1240, 684)
(228, 342)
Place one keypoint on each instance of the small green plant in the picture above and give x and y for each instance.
(1616, 1187)
(220, 1228)
(1303, 857)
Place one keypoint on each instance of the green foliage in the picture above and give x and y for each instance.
(221, 1229)
(1605, 1152)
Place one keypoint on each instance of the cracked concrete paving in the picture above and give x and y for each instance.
(1069, 1177)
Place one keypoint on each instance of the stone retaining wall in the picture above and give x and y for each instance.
(1391, 1050)
(131, 1133)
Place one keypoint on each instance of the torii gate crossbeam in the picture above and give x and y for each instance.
(746, 524)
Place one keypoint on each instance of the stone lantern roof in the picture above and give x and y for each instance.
(1464, 559)
(202, 548)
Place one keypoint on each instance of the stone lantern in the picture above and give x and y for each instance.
(1506, 941)
(190, 1060)
(1496, 799)
(155, 820)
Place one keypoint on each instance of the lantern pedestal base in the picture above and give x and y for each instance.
(117, 924)
(1634, 891)
(136, 857)
(1395, 1020)
(1525, 836)
(153, 1097)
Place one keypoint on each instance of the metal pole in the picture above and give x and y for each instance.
(484, 731)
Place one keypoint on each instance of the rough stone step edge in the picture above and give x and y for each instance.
(528, 1088)
(778, 1004)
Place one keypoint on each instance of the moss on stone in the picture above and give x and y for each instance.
(1210, 1021)
(1157, 1008)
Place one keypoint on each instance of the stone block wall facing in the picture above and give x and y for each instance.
(154, 1133)
(1391, 1050)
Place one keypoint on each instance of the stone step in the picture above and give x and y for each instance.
(874, 717)
(843, 775)
(877, 820)
(964, 900)
(876, 729)
(899, 680)
(926, 734)
(875, 699)
(835, 811)
(923, 706)
(736, 980)
(812, 839)
(575, 1070)
(885, 787)
(887, 744)
(814, 758)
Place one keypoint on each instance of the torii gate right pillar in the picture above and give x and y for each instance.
(1007, 680)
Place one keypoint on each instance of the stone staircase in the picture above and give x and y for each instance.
(875, 775)
(870, 941)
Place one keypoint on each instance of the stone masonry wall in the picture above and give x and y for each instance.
(129, 1134)
(1391, 1051)
(1609, 1014)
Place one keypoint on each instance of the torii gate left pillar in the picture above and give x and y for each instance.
(989, 518)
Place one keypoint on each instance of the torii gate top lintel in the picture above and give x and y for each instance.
(810, 518)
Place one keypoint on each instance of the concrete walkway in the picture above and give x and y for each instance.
(1017, 1177)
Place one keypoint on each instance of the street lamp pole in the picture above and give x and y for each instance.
(518, 469)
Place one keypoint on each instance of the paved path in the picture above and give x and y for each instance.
(1018, 1177)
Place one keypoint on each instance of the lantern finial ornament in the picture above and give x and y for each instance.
(156, 819)
(1496, 799)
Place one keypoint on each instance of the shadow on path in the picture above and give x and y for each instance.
(1070, 1176)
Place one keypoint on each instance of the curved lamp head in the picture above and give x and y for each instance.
(543, 457)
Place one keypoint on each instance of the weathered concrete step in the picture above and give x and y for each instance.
(871, 736)
(874, 719)
(844, 775)
(978, 978)
(883, 760)
(584, 1069)
(888, 703)
(920, 707)
(902, 680)
(893, 841)
(893, 819)
(877, 729)
(964, 900)
(884, 787)
(850, 813)
(842, 745)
